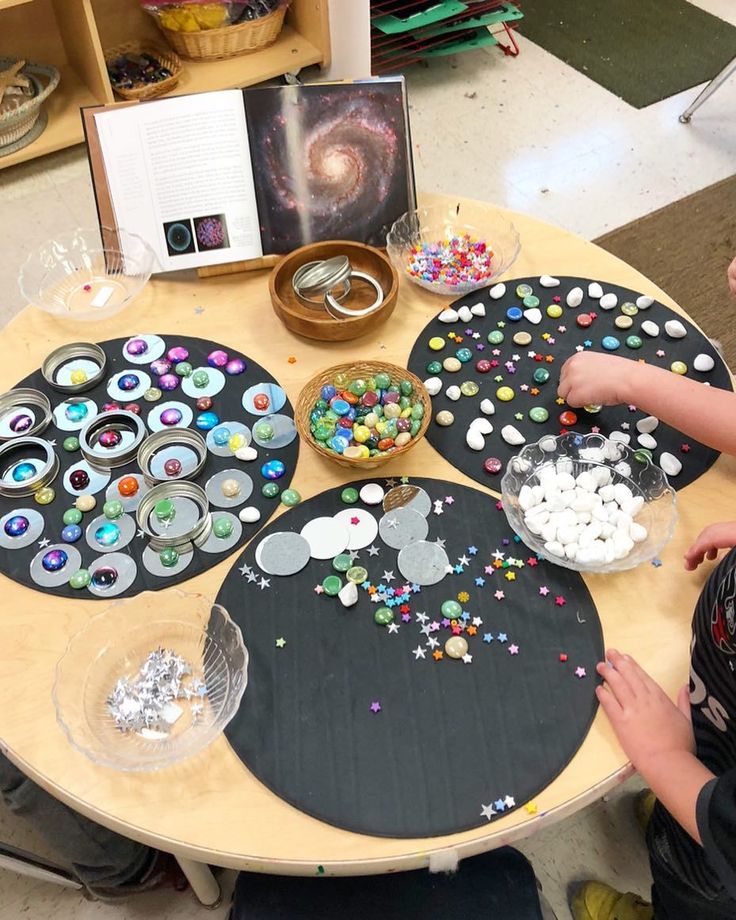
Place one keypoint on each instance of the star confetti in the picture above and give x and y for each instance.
(513, 649)
(544, 590)
(580, 672)
(280, 642)
(499, 595)
(437, 655)
(488, 637)
(560, 601)
(487, 811)
(502, 637)
(419, 652)
(531, 808)
(375, 706)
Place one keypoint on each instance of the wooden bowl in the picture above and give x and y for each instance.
(310, 394)
(314, 323)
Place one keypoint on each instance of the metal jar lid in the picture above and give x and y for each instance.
(19, 399)
(171, 437)
(316, 278)
(66, 353)
(172, 490)
(44, 476)
(113, 457)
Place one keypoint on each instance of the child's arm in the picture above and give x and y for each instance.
(706, 414)
(656, 735)
(710, 540)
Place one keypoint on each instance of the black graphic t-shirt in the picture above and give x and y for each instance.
(710, 869)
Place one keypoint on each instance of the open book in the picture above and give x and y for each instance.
(233, 175)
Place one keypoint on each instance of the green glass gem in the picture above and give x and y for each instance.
(263, 431)
(342, 562)
(383, 616)
(200, 379)
(541, 375)
(417, 412)
(383, 381)
(164, 510)
(70, 444)
(523, 290)
(358, 387)
(393, 388)
(629, 309)
(269, 490)
(152, 394)
(357, 574)
(113, 509)
(469, 388)
(349, 495)
(290, 497)
(222, 528)
(451, 609)
(538, 414)
(434, 367)
(415, 426)
(404, 402)
(633, 341)
(642, 455)
(168, 557)
(72, 516)
(183, 369)
(80, 579)
(332, 585)
(406, 387)
(323, 431)
(322, 404)
(495, 337)
(530, 301)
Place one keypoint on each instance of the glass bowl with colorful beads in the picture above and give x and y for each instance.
(363, 414)
(453, 250)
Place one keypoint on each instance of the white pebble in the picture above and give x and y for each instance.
(575, 297)
(595, 290)
(647, 441)
(623, 544)
(638, 532)
(372, 493)
(565, 480)
(249, 515)
(608, 302)
(549, 531)
(644, 303)
(534, 315)
(448, 316)
(478, 309)
(622, 493)
(565, 465)
(623, 468)
(586, 481)
(568, 534)
(669, 463)
(703, 363)
(675, 329)
(571, 551)
(475, 440)
(483, 425)
(497, 291)
(612, 450)
(512, 435)
(520, 464)
(453, 392)
(607, 493)
(547, 281)
(594, 454)
(433, 385)
(554, 548)
(526, 498)
(548, 444)
(650, 328)
(487, 407)
(623, 437)
(647, 425)
(246, 453)
(348, 594)
(601, 474)
(633, 507)
(464, 314)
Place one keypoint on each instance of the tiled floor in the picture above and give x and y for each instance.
(530, 134)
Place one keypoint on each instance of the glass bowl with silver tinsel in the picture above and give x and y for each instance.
(151, 680)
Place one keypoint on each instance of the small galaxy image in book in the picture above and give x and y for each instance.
(330, 161)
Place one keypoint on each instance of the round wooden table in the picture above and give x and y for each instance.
(210, 809)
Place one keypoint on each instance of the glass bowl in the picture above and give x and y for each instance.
(430, 226)
(576, 453)
(75, 276)
(115, 643)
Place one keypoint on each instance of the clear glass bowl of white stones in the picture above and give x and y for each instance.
(587, 503)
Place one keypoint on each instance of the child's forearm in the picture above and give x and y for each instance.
(677, 780)
(708, 416)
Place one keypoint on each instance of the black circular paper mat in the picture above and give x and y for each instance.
(359, 725)
(514, 366)
(228, 407)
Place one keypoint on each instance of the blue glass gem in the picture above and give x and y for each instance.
(464, 355)
(327, 392)
(340, 406)
(17, 525)
(514, 314)
(71, 533)
(207, 421)
(104, 577)
(23, 471)
(221, 436)
(54, 560)
(274, 469)
(338, 444)
(107, 534)
(610, 342)
(75, 412)
(129, 382)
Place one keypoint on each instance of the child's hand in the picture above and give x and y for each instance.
(714, 538)
(589, 378)
(646, 721)
(732, 277)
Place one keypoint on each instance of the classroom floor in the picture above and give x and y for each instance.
(527, 133)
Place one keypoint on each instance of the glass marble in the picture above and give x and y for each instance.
(80, 579)
(270, 490)
(172, 467)
(523, 290)
(72, 516)
(436, 343)
(554, 311)
(160, 366)
(85, 502)
(261, 401)
(168, 557)
(70, 444)
(434, 367)
(349, 495)
(629, 309)
(274, 469)
(230, 488)
(678, 367)
(451, 609)
(71, 533)
(235, 366)
(222, 528)
(217, 358)
(168, 382)
(633, 341)
(530, 301)
(54, 560)
(78, 376)
(263, 431)
(496, 337)
(177, 353)
(610, 342)
(290, 497)
(128, 486)
(237, 441)
(104, 577)
(107, 534)
(514, 314)
(20, 423)
(137, 347)
(206, 421)
(16, 525)
(541, 375)
(464, 355)
(109, 439)
(505, 394)
(469, 388)
(44, 496)
(383, 616)
(200, 379)
(204, 403)
(164, 510)
(133, 407)
(76, 412)
(78, 480)
(23, 471)
(152, 394)
(332, 585)
(110, 407)
(221, 436)
(129, 382)
(170, 416)
(538, 414)
(113, 509)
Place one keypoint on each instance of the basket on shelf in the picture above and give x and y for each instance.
(310, 394)
(16, 123)
(228, 41)
(165, 56)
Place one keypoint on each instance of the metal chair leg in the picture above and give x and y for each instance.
(24, 863)
(708, 91)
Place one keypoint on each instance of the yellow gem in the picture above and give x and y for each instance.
(45, 495)
(505, 394)
(237, 441)
(678, 367)
(361, 433)
(79, 376)
(436, 343)
(554, 310)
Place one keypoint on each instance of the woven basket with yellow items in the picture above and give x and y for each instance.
(207, 30)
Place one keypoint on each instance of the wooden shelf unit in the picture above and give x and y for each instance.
(72, 35)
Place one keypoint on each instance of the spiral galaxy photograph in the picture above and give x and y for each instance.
(329, 163)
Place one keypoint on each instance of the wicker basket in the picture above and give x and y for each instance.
(310, 394)
(18, 122)
(229, 41)
(168, 59)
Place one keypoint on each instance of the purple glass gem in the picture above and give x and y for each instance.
(390, 397)
(19, 423)
(54, 560)
(160, 366)
(170, 416)
(235, 366)
(137, 347)
(110, 439)
(403, 424)
(168, 382)
(177, 354)
(128, 382)
(217, 358)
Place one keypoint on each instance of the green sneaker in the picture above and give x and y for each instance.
(596, 901)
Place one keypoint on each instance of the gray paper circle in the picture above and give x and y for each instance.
(55, 579)
(423, 563)
(152, 562)
(126, 569)
(276, 398)
(217, 382)
(65, 424)
(98, 479)
(35, 528)
(408, 496)
(187, 515)
(130, 502)
(119, 395)
(213, 488)
(188, 458)
(284, 431)
(127, 527)
(154, 416)
(214, 544)
(156, 347)
(402, 526)
(282, 553)
(224, 450)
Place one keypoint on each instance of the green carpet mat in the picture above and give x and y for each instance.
(685, 248)
(641, 50)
